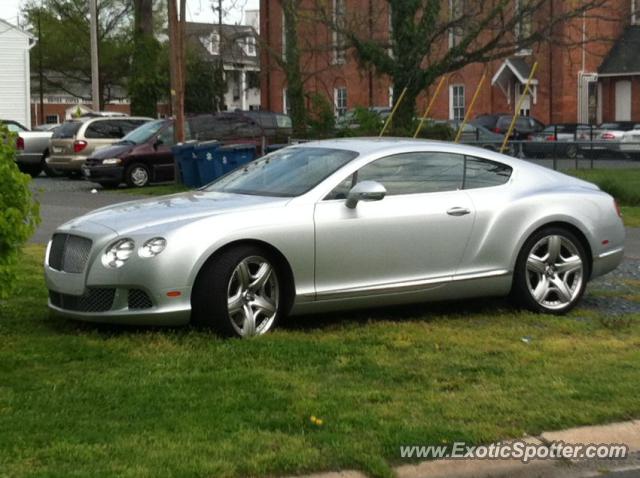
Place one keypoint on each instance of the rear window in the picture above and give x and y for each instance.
(283, 121)
(67, 130)
(488, 121)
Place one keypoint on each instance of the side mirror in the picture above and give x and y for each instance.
(365, 191)
(158, 142)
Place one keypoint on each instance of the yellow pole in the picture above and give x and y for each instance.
(473, 102)
(393, 111)
(517, 113)
(431, 102)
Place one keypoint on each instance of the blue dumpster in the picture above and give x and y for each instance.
(184, 155)
(274, 147)
(235, 155)
(208, 162)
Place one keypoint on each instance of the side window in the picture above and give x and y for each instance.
(415, 173)
(103, 130)
(167, 136)
(129, 125)
(342, 189)
(480, 173)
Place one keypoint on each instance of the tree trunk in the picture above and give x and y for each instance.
(143, 84)
(295, 87)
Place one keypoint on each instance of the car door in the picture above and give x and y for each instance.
(162, 158)
(418, 232)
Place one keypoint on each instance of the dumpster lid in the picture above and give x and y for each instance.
(234, 147)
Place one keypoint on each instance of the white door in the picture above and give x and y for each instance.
(623, 100)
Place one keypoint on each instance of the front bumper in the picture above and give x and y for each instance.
(103, 173)
(136, 293)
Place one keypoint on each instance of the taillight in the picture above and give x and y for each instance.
(608, 136)
(79, 145)
(617, 206)
(496, 130)
(20, 143)
(552, 138)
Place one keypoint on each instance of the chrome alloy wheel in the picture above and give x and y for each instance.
(554, 272)
(139, 176)
(252, 296)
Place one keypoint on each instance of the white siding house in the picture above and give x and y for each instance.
(15, 93)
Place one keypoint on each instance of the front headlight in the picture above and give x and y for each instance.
(111, 161)
(118, 253)
(152, 247)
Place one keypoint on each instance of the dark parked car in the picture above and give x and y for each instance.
(478, 135)
(141, 157)
(525, 126)
(561, 140)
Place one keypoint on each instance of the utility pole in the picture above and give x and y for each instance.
(220, 72)
(176, 65)
(95, 78)
(40, 72)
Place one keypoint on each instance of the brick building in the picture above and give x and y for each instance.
(594, 82)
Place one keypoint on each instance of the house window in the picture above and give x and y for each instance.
(340, 100)
(51, 119)
(250, 46)
(524, 24)
(212, 43)
(286, 104)
(339, 12)
(456, 102)
(457, 17)
(390, 96)
(253, 79)
(284, 36)
(635, 12)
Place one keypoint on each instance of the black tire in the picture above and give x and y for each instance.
(571, 152)
(72, 174)
(48, 170)
(137, 175)
(524, 278)
(209, 298)
(32, 170)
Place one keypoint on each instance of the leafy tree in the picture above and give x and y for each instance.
(63, 29)
(321, 120)
(19, 212)
(203, 88)
(145, 83)
(429, 38)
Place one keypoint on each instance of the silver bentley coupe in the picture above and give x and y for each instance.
(338, 224)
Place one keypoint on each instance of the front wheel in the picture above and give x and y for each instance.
(551, 272)
(137, 175)
(241, 293)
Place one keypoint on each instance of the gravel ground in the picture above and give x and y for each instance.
(607, 293)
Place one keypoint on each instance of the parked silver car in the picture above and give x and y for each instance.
(338, 224)
(74, 141)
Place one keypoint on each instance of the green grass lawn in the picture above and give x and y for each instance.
(85, 400)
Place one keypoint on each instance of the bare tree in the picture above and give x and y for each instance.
(429, 38)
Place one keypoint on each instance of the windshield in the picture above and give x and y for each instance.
(142, 133)
(288, 172)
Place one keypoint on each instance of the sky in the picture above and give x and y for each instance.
(197, 10)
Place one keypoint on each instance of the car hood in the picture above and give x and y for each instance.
(112, 151)
(147, 213)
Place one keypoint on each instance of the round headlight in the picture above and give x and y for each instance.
(152, 247)
(118, 253)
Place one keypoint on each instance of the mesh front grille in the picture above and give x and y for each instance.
(93, 300)
(138, 299)
(69, 253)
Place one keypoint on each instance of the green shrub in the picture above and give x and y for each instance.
(19, 212)
(322, 121)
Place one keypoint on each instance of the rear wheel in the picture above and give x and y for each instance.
(551, 272)
(137, 175)
(572, 151)
(241, 293)
(32, 170)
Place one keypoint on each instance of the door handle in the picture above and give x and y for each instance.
(458, 211)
